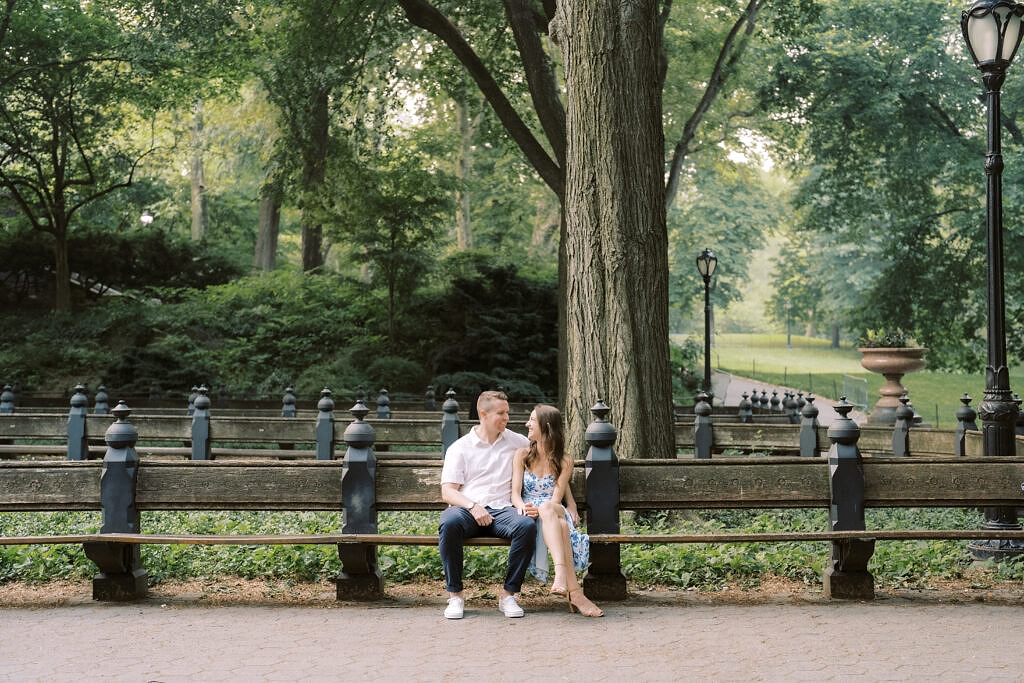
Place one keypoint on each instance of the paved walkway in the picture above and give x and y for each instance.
(643, 639)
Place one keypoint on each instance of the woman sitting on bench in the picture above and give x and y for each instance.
(540, 479)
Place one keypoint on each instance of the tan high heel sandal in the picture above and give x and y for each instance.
(555, 588)
(583, 604)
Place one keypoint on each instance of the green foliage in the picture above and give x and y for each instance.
(686, 374)
(494, 321)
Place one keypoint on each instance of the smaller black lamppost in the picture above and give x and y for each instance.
(706, 264)
(789, 327)
(992, 31)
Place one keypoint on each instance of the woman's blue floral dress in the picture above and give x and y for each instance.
(537, 490)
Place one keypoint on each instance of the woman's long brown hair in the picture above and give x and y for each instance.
(549, 422)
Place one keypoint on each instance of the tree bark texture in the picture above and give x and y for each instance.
(463, 173)
(265, 256)
(200, 211)
(61, 272)
(313, 175)
(616, 238)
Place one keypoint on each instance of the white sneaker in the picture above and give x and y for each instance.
(455, 608)
(509, 607)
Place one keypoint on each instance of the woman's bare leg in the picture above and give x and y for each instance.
(556, 537)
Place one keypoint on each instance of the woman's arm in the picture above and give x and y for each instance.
(570, 501)
(562, 485)
(518, 467)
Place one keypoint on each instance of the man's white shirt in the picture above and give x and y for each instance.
(483, 469)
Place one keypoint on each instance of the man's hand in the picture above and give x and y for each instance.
(481, 515)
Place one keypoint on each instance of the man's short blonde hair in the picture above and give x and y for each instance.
(486, 400)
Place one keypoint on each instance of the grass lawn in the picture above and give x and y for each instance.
(812, 365)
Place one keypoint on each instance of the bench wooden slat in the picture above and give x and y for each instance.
(425, 539)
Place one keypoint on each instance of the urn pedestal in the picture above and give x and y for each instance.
(891, 363)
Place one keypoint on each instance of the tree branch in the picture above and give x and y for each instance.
(540, 75)
(117, 186)
(421, 13)
(726, 59)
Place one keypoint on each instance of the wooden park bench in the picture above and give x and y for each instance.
(205, 436)
(845, 482)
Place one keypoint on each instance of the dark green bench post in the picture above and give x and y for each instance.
(604, 579)
(325, 426)
(288, 403)
(383, 405)
(809, 429)
(449, 421)
(102, 405)
(121, 576)
(901, 429)
(7, 400)
(965, 422)
(846, 575)
(746, 413)
(78, 432)
(201, 433)
(703, 438)
(360, 577)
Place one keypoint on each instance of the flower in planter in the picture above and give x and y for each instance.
(886, 338)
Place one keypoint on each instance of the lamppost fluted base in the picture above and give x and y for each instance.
(998, 412)
(998, 519)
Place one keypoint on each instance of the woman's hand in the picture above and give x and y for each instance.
(575, 515)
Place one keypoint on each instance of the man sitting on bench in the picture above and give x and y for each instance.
(476, 482)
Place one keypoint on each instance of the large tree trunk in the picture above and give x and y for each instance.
(463, 172)
(616, 238)
(313, 174)
(61, 272)
(265, 255)
(200, 210)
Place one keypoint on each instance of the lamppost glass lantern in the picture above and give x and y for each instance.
(146, 218)
(992, 31)
(706, 264)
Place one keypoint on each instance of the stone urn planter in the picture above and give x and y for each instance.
(892, 363)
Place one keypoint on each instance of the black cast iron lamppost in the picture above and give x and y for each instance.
(992, 30)
(706, 264)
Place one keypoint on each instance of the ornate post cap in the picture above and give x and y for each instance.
(450, 405)
(810, 411)
(79, 399)
(359, 434)
(8, 394)
(326, 403)
(966, 413)
(202, 401)
(904, 411)
(702, 407)
(383, 399)
(601, 433)
(744, 401)
(122, 433)
(800, 400)
(844, 430)
(289, 396)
